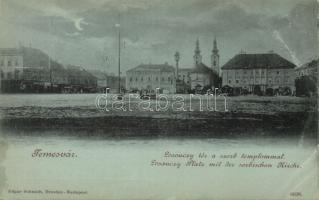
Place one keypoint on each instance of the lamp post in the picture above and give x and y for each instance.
(50, 68)
(119, 56)
(105, 74)
(177, 57)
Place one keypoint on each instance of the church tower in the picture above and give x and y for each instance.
(197, 56)
(215, 58)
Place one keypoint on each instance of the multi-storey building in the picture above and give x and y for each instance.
(258, 72)
(11, 63)
(26, 69)
(150, 77)
(183, 80)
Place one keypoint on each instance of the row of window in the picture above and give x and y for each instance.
(259, 77)
(256, 72)
(149, 79)
(138, 73)
(257, 81)
(241, 77)
(10, 75)
(9, 63)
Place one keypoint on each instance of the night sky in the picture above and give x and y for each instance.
(84, 32)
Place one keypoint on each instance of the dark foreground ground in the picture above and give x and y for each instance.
(227, 125)
(245, 117)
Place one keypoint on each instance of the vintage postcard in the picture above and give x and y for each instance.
(159, 99)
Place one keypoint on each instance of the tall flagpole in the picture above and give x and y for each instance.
(119, 60)
(119, 55)
(50, 70)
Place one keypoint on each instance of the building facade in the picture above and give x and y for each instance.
(202, 76)
(29, 70)
(183, 81)
(11, 63)
(253, 72)
(150, 77)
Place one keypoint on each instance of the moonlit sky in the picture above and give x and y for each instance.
(83, 32)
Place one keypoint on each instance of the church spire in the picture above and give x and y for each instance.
(197, 56)
(197, 50)
(215, 58)
(215, 50)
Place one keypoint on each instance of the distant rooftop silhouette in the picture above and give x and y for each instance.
(160, 67)
(253, 61)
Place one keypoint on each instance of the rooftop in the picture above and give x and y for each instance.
(153, 67)
(201, 68)
(258, 61)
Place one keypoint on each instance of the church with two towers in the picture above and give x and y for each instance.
(195, 79)
(198, 77)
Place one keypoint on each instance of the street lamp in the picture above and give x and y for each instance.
(177, 57)
(119, 55)
(105, 74)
